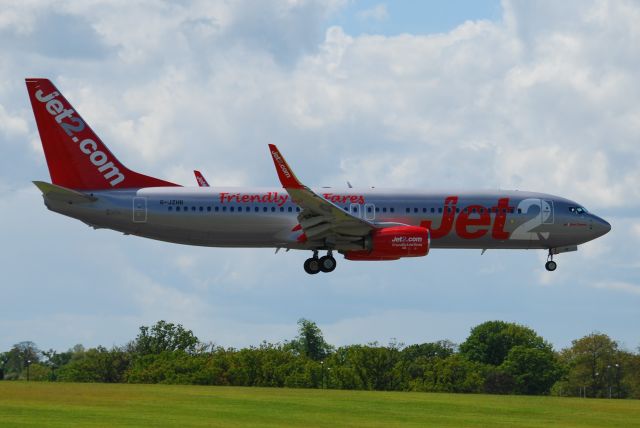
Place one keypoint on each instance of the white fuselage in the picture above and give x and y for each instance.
(267, 217)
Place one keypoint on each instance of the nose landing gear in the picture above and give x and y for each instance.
(315, 265)
(550, 265)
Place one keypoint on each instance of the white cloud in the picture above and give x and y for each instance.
(619, 286)
(11, 125)
(538, 101)
(375, 13)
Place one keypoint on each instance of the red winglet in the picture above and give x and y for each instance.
(200, 179)
(285, 174)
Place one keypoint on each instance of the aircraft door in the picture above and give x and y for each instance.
(369, 212)
(139, 210)
(546, 211)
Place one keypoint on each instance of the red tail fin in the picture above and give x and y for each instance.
(76, 157)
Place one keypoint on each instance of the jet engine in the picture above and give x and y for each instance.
(392, 243)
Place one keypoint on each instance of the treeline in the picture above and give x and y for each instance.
(497, 358)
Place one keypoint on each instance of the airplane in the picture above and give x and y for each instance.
(90, 184)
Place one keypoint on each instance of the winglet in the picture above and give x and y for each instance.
(200, 179)
(285, 174)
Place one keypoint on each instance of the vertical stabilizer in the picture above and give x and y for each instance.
(76, 157)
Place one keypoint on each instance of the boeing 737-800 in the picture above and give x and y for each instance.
(91, 185)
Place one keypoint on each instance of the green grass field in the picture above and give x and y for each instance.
(91, 405)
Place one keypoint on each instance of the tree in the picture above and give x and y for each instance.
(439, 349)
(534, 371)
(4, 359)
(164, 336)
(17, 359)
(96, 365)
(594, 366)
(310, 341)
(490, 342)
(55, 360)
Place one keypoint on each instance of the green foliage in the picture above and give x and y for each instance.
(169, 354)
(597, 368)
(95, 365)
(310, 341)
(490, 342)
(534, 371)
(162, 337)
(16, 360)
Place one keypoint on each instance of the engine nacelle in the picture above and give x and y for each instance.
(393, 243)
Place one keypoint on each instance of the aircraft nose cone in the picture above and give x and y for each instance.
(600, 226)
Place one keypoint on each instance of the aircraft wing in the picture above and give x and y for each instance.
(320, 219)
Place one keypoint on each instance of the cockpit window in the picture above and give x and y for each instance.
(578, 210)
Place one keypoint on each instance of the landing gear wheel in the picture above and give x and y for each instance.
(327, 264)
(550, 265)
(312, 266)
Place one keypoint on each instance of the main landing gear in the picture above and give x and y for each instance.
(550, 265)
(317, 264)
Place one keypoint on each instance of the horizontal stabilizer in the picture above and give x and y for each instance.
(62, 194)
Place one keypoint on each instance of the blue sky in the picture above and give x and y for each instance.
(404, 94)
(412, 16)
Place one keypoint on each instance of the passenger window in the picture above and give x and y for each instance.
(433, 210)
(457, 210)
(424, 210)
(440, 210)
(265, 209)
(384, 210)
(408, 210)
(391, 209)
(170, 208)
(231, 209)
(224, 208)
(297, 209)
(368, 209)
(415, 210)
(201, 209)
(193, 208)
(519, 210)
(377, 209)
(273, 209)
(209, 209)
(290, 209)
(256, 209)
(281, 209)
(216, 209)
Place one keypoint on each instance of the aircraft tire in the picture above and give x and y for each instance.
(312, 266)
(327, 264)
(551, 265)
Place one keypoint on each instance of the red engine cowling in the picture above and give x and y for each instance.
(393, 243)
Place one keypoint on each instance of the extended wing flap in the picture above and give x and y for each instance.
(62, 194)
